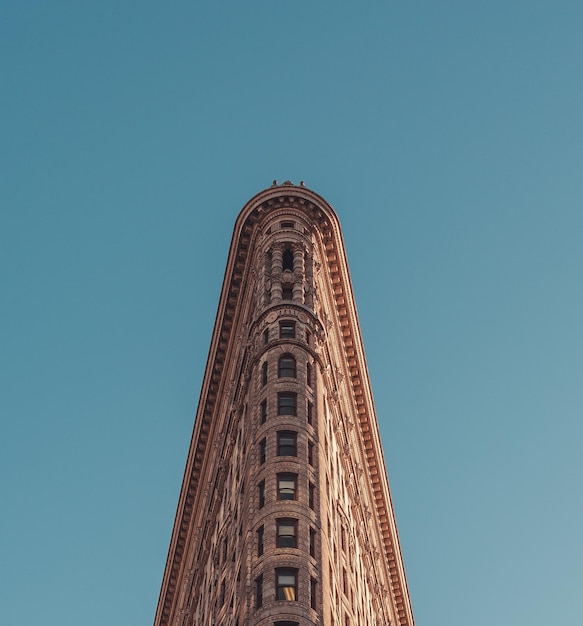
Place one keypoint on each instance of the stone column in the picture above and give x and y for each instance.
(298, 292)
(276, 271)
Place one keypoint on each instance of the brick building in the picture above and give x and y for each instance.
(285, 514)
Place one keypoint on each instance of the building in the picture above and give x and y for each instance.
(285, 515)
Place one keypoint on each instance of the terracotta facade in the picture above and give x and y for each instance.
(285, 515)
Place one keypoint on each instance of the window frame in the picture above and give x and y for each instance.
(287, 366)
(287, 403)
(282, 588)
(281, 540)
(287, 329)
(288, 477)
(289, 447)
(261, 493)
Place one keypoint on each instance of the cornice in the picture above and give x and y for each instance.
(319, 211)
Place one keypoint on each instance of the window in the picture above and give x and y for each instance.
(287, 443)
(308, 337)
(311, 453)
(266, 336)
(288, 260)
(309, 374)
(287, 533)
(313, 588)
(260, 538)
(310, 412)
(311, 493)
(286, 581)
(286, 366)
(259, 592)
(262, 450)
(286, 403)
(287, 293)
(287, 225)
(287, 329)
(264, 374)
(261, 494)
(286, 486)
(312, 542)
(264, 411)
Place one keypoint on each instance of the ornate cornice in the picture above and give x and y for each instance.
(319, 211)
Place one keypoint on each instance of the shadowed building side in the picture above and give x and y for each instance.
(285, 515)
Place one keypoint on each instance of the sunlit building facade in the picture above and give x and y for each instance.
(285, 515)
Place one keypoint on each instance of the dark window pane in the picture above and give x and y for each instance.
(287, 533)
(286, 404)
(287, 329)
(261, 490)
(288, 260)
(286, 443)
(286, 486)
(287, 366)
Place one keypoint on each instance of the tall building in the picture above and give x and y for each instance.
(285, 515)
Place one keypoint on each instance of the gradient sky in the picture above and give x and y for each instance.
(449, 138)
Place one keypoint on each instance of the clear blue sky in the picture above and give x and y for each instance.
(449, 138)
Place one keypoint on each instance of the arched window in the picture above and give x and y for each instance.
(287, 366)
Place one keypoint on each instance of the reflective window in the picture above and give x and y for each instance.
(287, 486)
(287, 533)
(286, 584)
(287, 443)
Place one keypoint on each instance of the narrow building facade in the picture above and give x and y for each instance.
(285, 515)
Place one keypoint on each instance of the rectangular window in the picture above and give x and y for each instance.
(287, 329)
(309, 374)
(259, 592)
(286, 404)
(262, 450)
(266, 336)
(311, 494)
(310, 413)
(264, 373)
(264, 411)
(313, 589)
(261, 494)
(287, 443)
(311, 453)
(312, 542)
(286, 580)
(260, 539)
(287, 486)
(287, 533)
